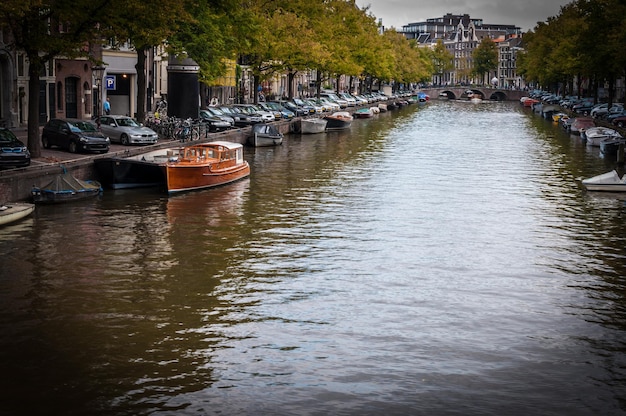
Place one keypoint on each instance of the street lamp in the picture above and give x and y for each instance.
(98, 73)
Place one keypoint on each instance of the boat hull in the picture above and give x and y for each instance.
(607, 182)
(338, 121)
(259, 140)
(145, 170)
(44, 196)
(15, 211)
(206, 165)
(190, 178)
(313, 126)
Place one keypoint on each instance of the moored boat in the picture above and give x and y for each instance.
(143, 170)
(313, 125)
(265, 135)
(595, 135)
(611, 146)
(15, 211)
(338, 120)
(608, 182)
(65, 188)
(206, 165)
(382, 107)
(363, 113)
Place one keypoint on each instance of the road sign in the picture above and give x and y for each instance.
(110, 82)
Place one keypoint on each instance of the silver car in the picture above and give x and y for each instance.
(127, 130)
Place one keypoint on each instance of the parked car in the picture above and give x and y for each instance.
(285, 113)
(126, 130)
(218, 112)
(255, 110)
(214, 122)
(619, 121)
(584, 107)
(332, 97)
(317, 105)
(298, 110)
(603, 110)
(13, 153)
(266, 107)
(74, 135)
(348, 98)
(329, 105)
(242, 117)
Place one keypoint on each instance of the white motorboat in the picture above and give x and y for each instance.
(595, 135)
(264, 135)
(608, 182)
(15, 211)
(313, 125)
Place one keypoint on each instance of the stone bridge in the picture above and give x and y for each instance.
(460, 93)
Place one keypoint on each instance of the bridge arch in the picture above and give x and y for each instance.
(494, 94)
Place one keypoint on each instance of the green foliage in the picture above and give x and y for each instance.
(485, 57)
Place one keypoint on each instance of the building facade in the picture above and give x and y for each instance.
(461, 34)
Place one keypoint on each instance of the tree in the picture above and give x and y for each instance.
(485, 58)
(45, 30)
(138, 22)
(442, 60)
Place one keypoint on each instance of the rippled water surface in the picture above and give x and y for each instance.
(436, 260)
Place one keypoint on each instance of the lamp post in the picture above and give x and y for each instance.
(98, 73)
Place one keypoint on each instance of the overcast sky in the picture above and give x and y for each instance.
(522, 13)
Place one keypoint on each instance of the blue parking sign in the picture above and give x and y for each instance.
(110, 82)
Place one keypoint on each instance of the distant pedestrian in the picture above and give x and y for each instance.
(214, 102)
(107, 106)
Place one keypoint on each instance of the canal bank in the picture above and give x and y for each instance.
(16, 184)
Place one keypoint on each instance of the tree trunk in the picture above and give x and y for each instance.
(34, 142)
(140, 66)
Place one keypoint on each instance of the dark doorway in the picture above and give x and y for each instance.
(71, 97)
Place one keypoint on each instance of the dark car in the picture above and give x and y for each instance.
(216, 112)
(13, 153)
(619, 121)
(214, 123)
(74, 135)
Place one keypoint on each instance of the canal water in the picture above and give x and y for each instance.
(434, 260)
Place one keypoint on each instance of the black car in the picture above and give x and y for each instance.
(13, 153)
(213, 122)
(74, 135)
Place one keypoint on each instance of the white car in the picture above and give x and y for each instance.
(352, 102)
(126, 130)
(330, 96)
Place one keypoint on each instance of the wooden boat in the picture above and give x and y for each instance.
(15, 211)
(143, 170)
(265, 135)
(595, 135)
(363, 113)
(206, 165)
(65, 188)
(609, 182)
(580, 124)
(338, 120)
(312, 125)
